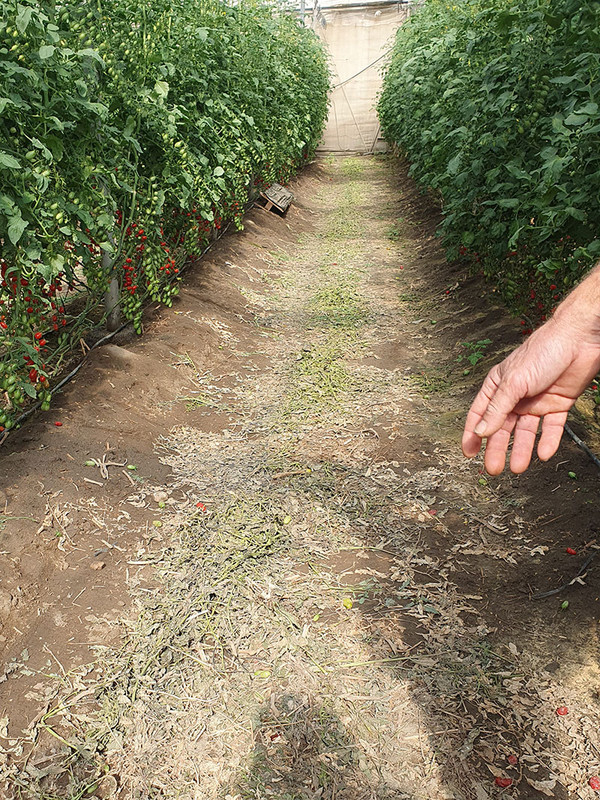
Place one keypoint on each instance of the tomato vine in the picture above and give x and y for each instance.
(496, 104)
(130, 132)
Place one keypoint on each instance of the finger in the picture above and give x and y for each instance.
(500, 406)
(497, 445)
(523, 442)
(552, 431)
(471, 442)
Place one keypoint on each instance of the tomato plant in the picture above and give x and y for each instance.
(130, 132)
(496, 105)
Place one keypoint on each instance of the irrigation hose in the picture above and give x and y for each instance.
(582, 569)
(583, 445)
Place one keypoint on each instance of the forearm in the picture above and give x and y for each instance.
(581, 308)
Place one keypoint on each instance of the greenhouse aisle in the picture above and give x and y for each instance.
(251, 561)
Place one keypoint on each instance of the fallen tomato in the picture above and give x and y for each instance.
(595, 783)
(503, 782)
(562, 711)
(571, 551)
(512, 759)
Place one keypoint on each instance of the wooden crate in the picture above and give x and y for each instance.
(277, 196)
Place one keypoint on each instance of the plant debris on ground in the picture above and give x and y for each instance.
(326, 609)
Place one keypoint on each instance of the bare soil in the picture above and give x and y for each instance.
(281, 579)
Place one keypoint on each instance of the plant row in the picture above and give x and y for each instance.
(130, 132)
(496, 105)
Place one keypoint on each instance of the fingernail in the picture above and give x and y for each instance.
(480, 428)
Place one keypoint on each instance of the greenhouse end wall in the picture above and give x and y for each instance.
(357, 39)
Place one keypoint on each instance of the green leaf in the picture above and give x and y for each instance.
(558, 125)
(89, 52)
(105, 220)
(55, 146)
(505, 20)
(130, 126)
(82, 88)
(47, 270)
(7, 205)
(33, 251)
(23, 18)
(218, 171)
(46, 51)
(41, 146)
(576, 213)
(6, 160)
(594, 247)
(454, 165)
(161, 88)
(57, 263)
(508, 202)
(576, 119)
(590, 109)
(517, 172)
(554, 21)
(16, 227)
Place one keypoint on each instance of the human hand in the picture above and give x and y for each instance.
(541, 379)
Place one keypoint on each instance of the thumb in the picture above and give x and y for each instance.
(500, 406)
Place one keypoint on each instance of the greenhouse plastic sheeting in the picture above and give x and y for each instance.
(357, 39)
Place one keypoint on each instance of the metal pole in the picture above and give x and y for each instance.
(112, 295)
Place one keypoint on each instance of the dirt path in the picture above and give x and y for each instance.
(291, 584)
